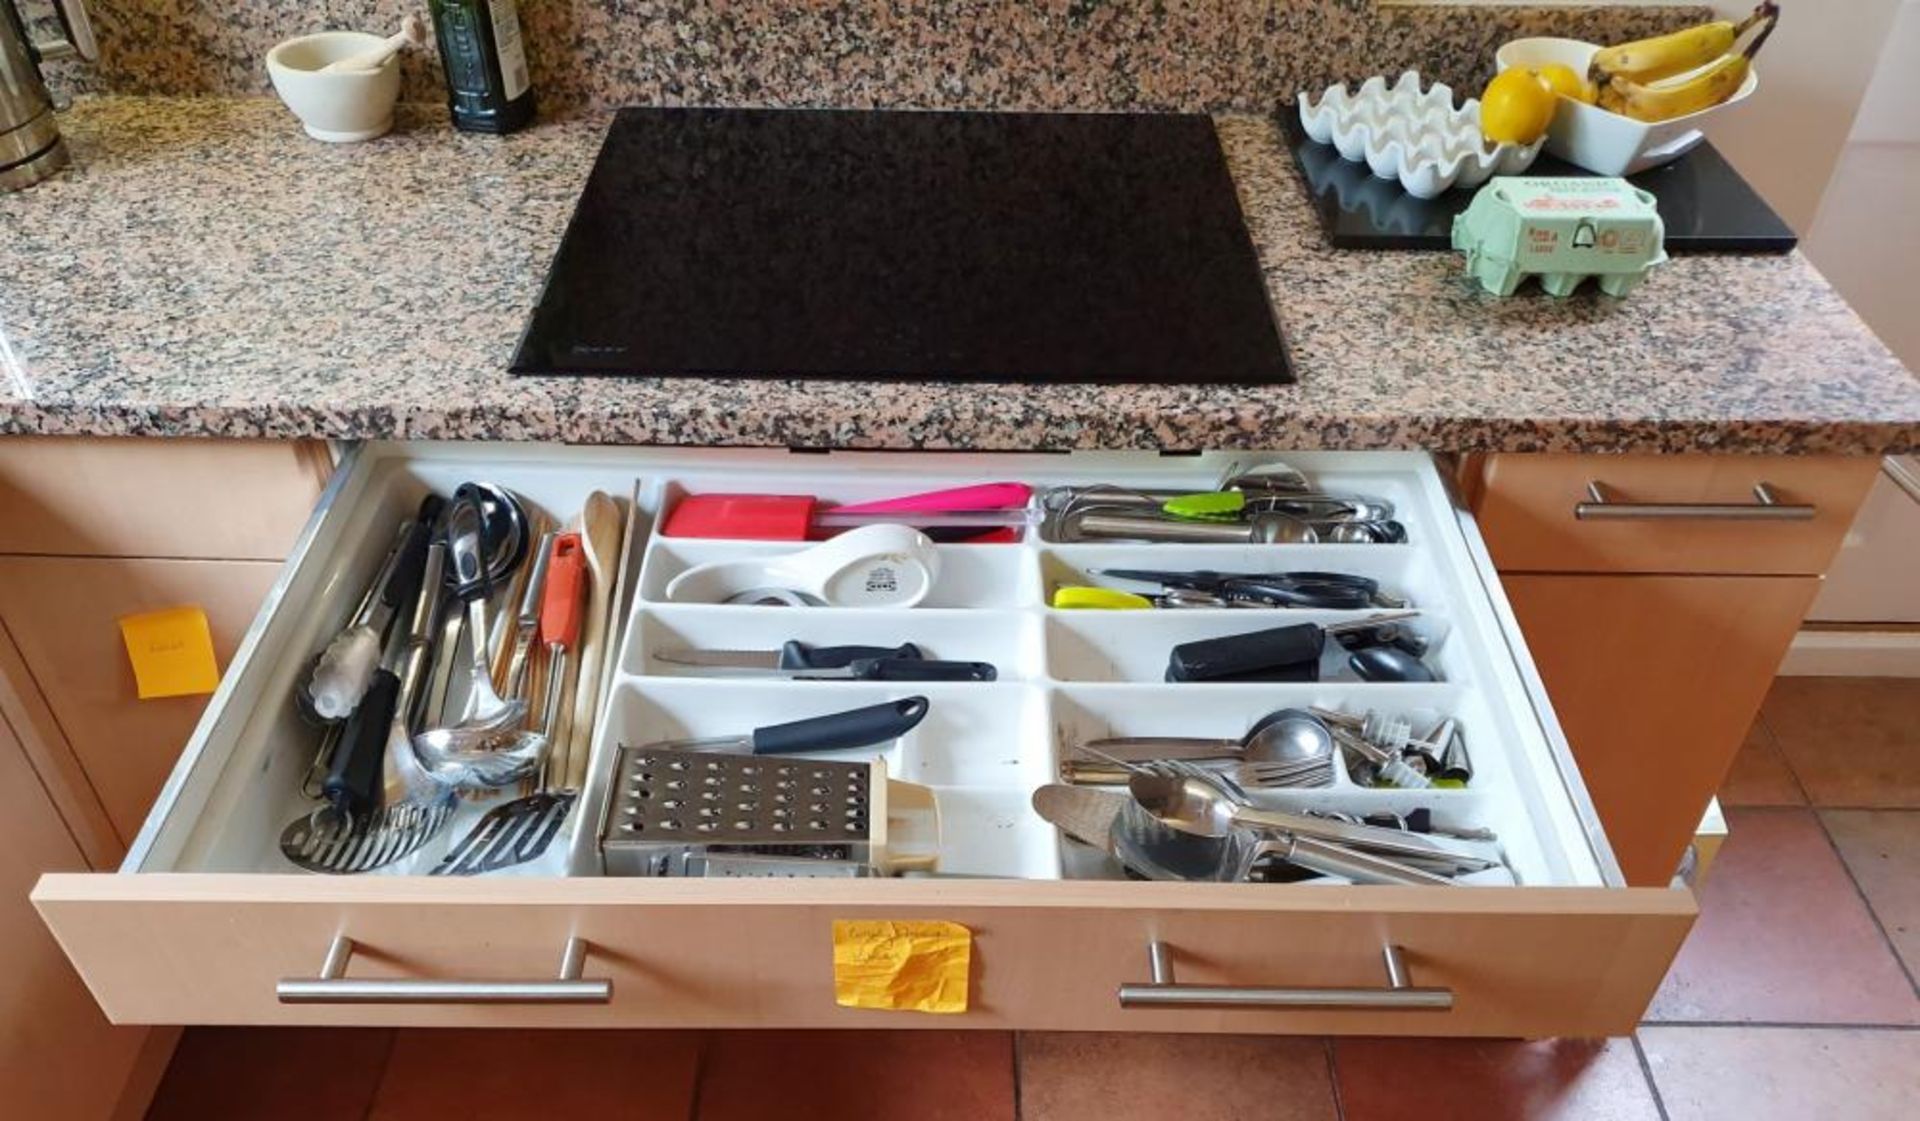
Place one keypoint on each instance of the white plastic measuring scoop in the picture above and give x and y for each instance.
(872, 566)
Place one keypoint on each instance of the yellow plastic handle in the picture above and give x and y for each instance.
(1076, 597)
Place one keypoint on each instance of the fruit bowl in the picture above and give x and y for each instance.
(1602, 141)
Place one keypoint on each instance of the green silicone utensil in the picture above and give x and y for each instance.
(1213, 506)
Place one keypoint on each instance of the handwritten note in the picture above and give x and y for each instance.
(171, 652)
(901, 966)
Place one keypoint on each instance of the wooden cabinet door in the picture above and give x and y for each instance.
(63, 613)
(1656, 680)
(58, 1055)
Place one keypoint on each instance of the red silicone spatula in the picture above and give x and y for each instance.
(797, 517)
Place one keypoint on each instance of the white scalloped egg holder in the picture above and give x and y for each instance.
(1412, 134)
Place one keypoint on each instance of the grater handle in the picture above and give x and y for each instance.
(858, 727)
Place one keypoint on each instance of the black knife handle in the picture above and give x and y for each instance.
(921, 669)
(857, 727)
(1291, 650)
(353, 782)
(798, 655)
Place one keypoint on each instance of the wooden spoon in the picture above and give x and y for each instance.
(601, 523)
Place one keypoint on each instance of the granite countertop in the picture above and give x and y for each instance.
(209, 271)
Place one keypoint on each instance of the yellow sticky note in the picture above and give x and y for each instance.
(171, 652)
(902, 966)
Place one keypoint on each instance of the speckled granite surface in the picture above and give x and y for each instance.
(1202, 55)
(210, 271)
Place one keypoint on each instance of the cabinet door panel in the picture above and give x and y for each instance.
(1656, 680)
(216, 499)
(58, 1055)
(1526, 511)
(62, 613)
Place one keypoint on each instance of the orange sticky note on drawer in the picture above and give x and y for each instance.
(171, 652)
(907, 966)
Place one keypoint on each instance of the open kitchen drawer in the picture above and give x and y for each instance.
(206, 921)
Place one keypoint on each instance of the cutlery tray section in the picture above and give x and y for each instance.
(1065, 677)
(1062, 677)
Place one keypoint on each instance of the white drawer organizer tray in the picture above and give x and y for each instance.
(407, 948)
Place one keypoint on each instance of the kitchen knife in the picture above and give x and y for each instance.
(856, 727)
(791, 656)
(901, 669)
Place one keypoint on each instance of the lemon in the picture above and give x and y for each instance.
(1565, 82)
(1516, 107)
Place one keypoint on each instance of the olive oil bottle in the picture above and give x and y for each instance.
(488, 89)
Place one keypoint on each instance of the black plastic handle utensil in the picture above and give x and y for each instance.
(1290, 653)
(352, 785)
(799, 655)
(908, 669)
(856, 727)
(1388, 663)
(403, 584)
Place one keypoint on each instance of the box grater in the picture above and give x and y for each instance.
(665, 804)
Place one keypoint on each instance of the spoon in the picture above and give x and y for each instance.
(1285, 735)
(1150, 849)
(472, 582)
(1197, 805)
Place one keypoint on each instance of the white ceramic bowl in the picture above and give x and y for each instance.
(341, 107)
(1605, 142)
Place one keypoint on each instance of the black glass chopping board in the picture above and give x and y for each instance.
(1048, 247)
(1705, 204)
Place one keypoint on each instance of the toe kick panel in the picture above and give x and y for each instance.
(208, 923)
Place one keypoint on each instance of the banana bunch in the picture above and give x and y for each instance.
(1672, 75)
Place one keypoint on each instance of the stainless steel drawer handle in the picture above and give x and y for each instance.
(1765, 507)
(333, 986)
(1399, 995)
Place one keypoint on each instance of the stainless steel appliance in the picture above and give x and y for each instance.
(30, 144)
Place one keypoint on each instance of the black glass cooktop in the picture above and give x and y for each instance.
(849, 244)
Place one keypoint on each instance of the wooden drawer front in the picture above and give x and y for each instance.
(1653, 765)
(1520, 962)
(1528, 503)
(225, 499)
(62, 612)
(203, 921)
(58, 1055)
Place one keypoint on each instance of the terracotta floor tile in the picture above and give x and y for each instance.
(1882, 850)
(920, 1075)
(1760, 775)
(1783, 937)
(1785, 1074)
(1852, 741)
(240, 1074)
(1492, 1080)
(1099, 1077)
(514, 1075)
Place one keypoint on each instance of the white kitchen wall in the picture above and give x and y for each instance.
(1866, 239)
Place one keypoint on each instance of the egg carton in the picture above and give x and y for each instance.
(1411, 133)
